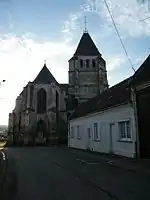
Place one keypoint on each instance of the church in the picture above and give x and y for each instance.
(43, 107)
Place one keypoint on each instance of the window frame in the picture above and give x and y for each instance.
(96, 135)
(126, 138)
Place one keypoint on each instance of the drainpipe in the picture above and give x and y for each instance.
(136, 123)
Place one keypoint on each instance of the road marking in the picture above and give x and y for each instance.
(86, 162)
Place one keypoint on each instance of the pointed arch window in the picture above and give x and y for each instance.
(41, 101)
(87, 63)
(93, 63)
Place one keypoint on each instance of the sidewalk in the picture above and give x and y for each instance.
(134, 165)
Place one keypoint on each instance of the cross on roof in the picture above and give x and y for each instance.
(85, 23)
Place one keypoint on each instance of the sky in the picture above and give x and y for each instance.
(32, 31)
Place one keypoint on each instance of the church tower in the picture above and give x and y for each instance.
(87, 71)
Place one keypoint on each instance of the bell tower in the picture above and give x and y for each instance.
(87, 70)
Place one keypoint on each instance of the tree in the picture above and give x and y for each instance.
(144, 2)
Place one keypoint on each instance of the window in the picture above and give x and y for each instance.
(124, 130)
(93, 63)
(96, 131)
(78, 132)
(72, 132)
(41, 101)
(81, 63)
(87, 63)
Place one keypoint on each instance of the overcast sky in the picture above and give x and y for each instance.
(32, 31)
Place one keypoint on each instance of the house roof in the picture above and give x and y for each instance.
(45, 77)
(116, 95)
(86, 47)
(143, 73)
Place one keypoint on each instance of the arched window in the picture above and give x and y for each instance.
(41, 101)
(93, 63)
(87, 63)
(81, 63)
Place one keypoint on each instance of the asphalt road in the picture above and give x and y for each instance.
(59, 173)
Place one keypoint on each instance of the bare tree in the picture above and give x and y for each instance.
(144, 2)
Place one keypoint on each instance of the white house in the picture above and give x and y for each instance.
(106, 123)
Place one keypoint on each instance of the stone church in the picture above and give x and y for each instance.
(44, 105)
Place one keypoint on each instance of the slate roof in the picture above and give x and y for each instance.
(143, 73)
(116, 95)
(86, 47)
(64, 86)
(45, 77)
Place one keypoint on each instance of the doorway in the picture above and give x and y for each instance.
(41, 131)
(111, 131)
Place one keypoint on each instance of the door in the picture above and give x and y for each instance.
(111, 128)
(89, 138)
(41, 131)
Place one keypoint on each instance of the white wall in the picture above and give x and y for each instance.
(104, 119)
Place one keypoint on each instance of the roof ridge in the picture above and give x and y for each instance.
(142, 73)
(45, 76)
(86, 46)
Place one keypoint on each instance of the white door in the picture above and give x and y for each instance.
(111, 131)
(89, 137)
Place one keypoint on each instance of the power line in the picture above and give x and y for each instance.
(119, 36)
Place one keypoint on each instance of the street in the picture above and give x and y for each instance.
(54, 173)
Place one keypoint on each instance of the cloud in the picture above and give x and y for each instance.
(71, 25)
(114, 62)
(21, 58)
(126, 13)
